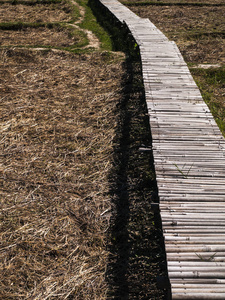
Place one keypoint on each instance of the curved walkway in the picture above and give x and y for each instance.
(189, 157)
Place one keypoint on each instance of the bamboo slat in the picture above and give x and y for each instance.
(202, 296)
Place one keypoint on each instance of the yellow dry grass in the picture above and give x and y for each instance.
(43, 36)
(57, 127)
(58, 12)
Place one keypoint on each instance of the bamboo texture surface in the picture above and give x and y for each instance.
(189, 158)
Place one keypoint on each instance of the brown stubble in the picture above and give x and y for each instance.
(57, 128)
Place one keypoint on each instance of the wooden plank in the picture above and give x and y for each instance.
(193, 269)
(195, 248)
(194, 264)
(188, 296)
(197, 281)
(196, 274)
(197, 285)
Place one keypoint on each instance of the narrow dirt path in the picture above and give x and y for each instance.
(93, 40)
(82, 12)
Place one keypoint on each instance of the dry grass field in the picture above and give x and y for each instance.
(57, 128)
(52, 12)
(200, 39)
(58, 120)
(56, 37)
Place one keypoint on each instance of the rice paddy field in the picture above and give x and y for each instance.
(76, 179)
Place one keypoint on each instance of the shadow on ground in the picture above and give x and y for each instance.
(136, 243)
(135, 236)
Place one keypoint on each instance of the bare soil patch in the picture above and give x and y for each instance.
(57, 127)
(43, 36)
(60, 12)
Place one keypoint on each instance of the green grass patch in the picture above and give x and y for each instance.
(211, 83)
(74, 32)
(75, 13)
(90, 23)
(214, 76)
(21, 25)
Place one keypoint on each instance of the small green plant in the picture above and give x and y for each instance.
(211, 83)
(90, 23)
(210, 258)
(181, 170)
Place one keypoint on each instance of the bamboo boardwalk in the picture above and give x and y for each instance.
(189, 158)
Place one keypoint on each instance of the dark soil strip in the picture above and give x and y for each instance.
(20, 26)
(136, 243)
(135, 240)
(30, 2)
(213, 34)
